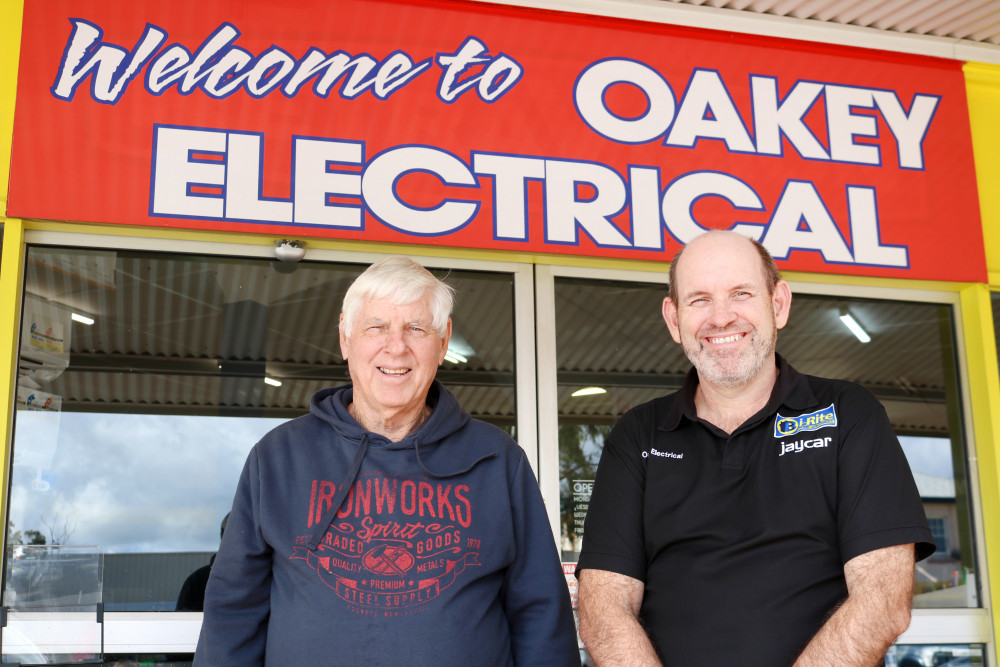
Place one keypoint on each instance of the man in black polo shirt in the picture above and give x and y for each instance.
(757, 517)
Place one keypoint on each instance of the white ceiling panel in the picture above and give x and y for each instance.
(967, 30)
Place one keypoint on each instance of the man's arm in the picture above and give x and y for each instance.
(534, 593)
(875, 612)
(609, 619)
(238, 594)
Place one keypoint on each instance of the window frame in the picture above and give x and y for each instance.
(939, 531)
(928, 626)
(177, 632)
(537, 413)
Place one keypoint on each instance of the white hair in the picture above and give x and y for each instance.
(400, 281)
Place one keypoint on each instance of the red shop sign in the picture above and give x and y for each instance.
(480, 126)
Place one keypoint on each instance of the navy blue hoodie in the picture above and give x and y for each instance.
(440, 553)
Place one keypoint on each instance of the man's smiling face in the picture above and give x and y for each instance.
(724, 318)
(393, 354)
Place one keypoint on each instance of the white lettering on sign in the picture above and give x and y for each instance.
(510, 174)
(218, 174)
(595, 80)
(707, 111)
(566, 214)
(498, 74)
(215, 174)
(378, 189)
(220, 67)
(110, 67)
(320, 158)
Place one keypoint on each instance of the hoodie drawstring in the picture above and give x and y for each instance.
(338, 498)
(431, 473)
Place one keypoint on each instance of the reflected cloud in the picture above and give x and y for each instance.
(930, 456)
(130, 483)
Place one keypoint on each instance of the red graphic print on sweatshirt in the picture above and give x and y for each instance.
(395, 544)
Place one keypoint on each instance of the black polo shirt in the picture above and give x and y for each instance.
(741, 539)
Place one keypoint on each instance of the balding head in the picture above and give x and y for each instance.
(726, 242)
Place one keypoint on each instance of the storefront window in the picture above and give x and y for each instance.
(614, 352)
(945, 655)
(144, 380)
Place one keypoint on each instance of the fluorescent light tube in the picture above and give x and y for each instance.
(855, 328)
(454, 357)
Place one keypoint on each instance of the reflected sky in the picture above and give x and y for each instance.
(126, 482)
(930, 456)
(130, 483)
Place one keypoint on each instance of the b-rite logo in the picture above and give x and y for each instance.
(813, 421)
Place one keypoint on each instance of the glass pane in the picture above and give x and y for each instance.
(910, 366)
(611, 336)
(55, 577)
(943, 655)
(143, 381)
(55, 660)
(613, 352)
(144, 660)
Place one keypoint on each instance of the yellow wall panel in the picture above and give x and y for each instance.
(982, 84)
(10, 46)
(11, 272)
(983, 90)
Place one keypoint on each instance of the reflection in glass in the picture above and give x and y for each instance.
(940, 655)
(143, 381)
(30, 659)
(942, 580)
(608, 335)
(142, 660)
(149, 490)
(52, 577)
(579, 452)
(611, 335)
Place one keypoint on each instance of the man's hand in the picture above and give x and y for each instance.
(609, 619)
(875, 613)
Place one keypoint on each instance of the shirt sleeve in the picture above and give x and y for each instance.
(237, 598)
(878, 502)
(535, 595)
(613, 534)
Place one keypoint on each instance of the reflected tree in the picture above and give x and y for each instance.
(579, 451)
(29, 536)
(59, 534)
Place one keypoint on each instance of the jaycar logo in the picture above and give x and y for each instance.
(786, 426)
(801, 445)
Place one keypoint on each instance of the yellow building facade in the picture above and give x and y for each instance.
(540, 323)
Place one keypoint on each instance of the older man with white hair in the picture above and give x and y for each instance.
(388, 527)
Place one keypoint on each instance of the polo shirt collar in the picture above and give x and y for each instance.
(790, 390)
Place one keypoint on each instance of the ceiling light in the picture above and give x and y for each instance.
(454, 357)
(589, 391)
(459, 350)
(855, 328)
(272, 381)
(82, 319)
